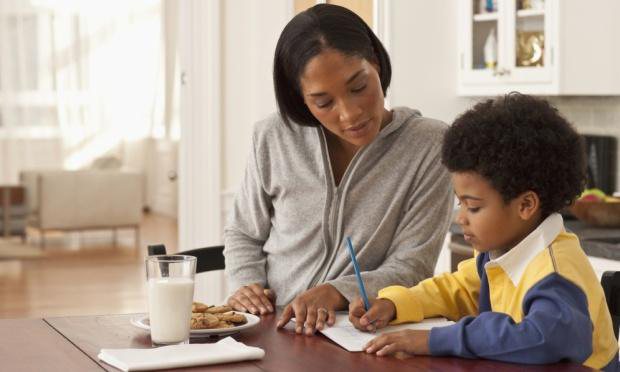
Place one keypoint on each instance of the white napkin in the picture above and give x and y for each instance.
(175, 356)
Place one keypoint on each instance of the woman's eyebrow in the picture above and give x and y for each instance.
(355, 75)
(349, 80)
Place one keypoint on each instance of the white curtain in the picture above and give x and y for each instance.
(78, 79)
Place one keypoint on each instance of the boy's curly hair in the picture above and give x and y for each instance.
(519, 143)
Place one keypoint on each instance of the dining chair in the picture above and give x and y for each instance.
(207, 258)
(610, 281)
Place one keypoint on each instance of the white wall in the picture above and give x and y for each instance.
(226, 52)
(423, 49)
(250, 32)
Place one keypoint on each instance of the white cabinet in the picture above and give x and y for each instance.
(544, 47)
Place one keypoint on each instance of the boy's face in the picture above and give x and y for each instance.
(488, 223)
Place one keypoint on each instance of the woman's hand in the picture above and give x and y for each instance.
(408, 341)
(313, 309)
(381, 312)
(253, 298)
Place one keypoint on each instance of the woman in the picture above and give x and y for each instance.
(334, 163)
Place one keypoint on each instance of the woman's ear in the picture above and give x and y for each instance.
(529, 204)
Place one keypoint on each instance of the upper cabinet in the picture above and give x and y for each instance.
(544, 47)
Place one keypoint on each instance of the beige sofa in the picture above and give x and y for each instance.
(83, 200)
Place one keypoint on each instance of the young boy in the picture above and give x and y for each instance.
(530, 294)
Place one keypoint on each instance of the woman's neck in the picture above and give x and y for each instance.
(388, 116)
(338, 145)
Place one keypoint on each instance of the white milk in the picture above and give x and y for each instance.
(170, 309)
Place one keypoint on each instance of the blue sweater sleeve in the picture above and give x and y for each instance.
(556, 326)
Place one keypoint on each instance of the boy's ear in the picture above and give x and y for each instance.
(529, 204)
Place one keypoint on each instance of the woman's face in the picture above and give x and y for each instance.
(344, 94)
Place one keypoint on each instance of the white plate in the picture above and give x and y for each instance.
(142, 321)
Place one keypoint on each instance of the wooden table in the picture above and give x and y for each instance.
(72, 344)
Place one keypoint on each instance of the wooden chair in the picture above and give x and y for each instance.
(610, 281)
(207, 258)
(13, 211)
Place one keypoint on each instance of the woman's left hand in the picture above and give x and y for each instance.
(313, 309)
(409, 341)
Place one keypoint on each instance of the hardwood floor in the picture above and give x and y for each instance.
(83, 274)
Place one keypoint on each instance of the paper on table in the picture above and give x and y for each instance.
(175, 356)
(344, 334)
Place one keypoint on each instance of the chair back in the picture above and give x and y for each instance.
(610, 281)
(207, 258)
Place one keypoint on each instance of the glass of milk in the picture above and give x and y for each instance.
(170, 292)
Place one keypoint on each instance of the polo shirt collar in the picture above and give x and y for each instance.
(516, 259)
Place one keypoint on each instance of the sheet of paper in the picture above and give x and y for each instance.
(344, 334)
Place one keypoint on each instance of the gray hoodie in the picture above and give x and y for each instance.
(287, 228)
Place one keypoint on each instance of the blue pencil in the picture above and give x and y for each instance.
(357, 273)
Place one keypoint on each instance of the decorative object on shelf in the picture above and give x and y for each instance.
(537, 4)
(490, 50)
(524, 4)
(531, 4)
(487, 6)
(530, 48)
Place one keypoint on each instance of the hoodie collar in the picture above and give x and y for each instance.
(400, 115)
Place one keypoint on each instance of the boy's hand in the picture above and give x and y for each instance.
(408, 341)
(381, 312)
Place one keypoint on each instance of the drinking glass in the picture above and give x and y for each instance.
(170, 293)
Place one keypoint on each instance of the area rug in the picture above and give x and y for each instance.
(15, 249)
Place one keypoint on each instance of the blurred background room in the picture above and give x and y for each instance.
(128, 123)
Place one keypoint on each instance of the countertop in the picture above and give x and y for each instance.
(596, 241)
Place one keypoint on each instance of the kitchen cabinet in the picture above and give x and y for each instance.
(541, 47)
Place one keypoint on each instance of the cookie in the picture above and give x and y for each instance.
(204, 321)
(232, 317)
(199, 307)
(219, 309)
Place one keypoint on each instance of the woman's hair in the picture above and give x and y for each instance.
(519, 143)
(320, 27)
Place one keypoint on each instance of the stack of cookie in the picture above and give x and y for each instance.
(209, 317)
